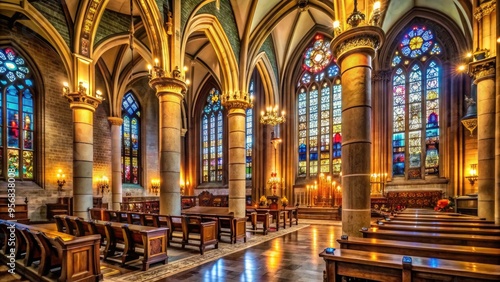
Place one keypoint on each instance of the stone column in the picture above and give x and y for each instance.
(116, 165)
(236, 105)
(354, 50)
(497, 131)
(484, 76)
(83, 107)
(169, 91)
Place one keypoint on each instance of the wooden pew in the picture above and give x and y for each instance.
(468, 253)
(439, 229)
(201, 233)
(79, 255)
(236, 226)
(442, 223)
(436, 238)
(392, 267)
(152, 239)
(449, 219)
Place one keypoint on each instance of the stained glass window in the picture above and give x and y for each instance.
(415, 92)
(249, 135)
(17, 109)
(319, 113)
(131, 115)
(211, 138)
(317, 56)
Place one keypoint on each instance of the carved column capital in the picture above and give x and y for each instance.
(82, 100)
(236, 100)
(183, 132)
(115, 120)
(485, 9)
(484, 69)
(164, 85)
(360, 39)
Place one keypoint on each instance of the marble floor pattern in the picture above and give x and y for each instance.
(291, 257)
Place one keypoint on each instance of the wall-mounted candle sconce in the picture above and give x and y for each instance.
(155, 186)
(102, 183)
(61, 180)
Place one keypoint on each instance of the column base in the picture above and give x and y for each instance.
(354, 220)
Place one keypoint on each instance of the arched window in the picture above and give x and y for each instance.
(319, 112)
(131, 152)
(211, 138)
(17, 150)
(249, 135)
(416, 87)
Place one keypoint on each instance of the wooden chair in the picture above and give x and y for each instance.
(33, 251)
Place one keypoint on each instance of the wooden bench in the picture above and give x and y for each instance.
(454, 219)
(441, 224)
(439, 229)
(260, 217)
(78, 256)
(436, 238)
(235, 227)
(152, 239)
(201, 233)
(392, 267)
(454, 252)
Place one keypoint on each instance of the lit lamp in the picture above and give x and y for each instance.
(472, 174)
(60, 180)
(271, 117)
(155, 185)
(102, 184)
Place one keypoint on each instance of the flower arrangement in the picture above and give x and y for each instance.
(284, 201)
(444, 205)
(263, 200)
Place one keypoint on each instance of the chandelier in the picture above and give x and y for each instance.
(270, 116)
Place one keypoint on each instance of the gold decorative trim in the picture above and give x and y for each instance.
(359, 39)
(77, 99)
(115, 120)
(236, 100)
(483, 69)
(164, 85)
(88, 26)
(485, 9)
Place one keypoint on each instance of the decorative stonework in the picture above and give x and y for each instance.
(77, 99)
(88, 26)
(236, 100)
(168, 85)
(483, 69)
(485, 9)
(362, 38)
(115, 120)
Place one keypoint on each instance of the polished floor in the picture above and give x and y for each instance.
(292, 257)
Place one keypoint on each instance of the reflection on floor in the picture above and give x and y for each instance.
(286, 255)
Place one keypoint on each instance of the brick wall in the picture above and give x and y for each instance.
(52, 10)
(53, 121)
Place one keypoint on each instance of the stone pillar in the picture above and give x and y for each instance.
(484, 76)
(497, 131)
(116, 165)
(169, 91)
(83, 107)
(236, 105)
(354, 50)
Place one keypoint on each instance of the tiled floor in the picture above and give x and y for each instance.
(292, 257)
